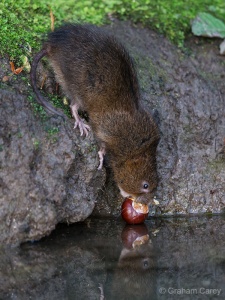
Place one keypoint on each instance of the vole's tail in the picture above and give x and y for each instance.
(40, 99)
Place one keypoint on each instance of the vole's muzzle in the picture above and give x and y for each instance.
(146, 199)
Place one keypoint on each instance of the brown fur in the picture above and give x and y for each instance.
(96, 72)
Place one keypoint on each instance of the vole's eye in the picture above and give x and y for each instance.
(145, 186)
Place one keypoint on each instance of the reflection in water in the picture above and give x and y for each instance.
(101, 259)
(134, 275)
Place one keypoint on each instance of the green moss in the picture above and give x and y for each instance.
(38, 109)
(24, 23)
(58, 102)
(54, 99)
(36, 144)
(171, 18)
(52, 133)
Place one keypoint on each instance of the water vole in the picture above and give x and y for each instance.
(98, 75)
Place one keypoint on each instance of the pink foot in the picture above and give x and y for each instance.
(101, 154)
(84, 128)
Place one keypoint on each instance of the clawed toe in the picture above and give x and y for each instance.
(84, 128)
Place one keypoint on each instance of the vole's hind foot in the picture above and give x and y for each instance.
(101, 154)
(84, 128)
(79, 123)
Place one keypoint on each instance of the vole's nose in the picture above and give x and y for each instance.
(144, 199)
(147, 199)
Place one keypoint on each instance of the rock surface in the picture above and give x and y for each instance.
(48, 172)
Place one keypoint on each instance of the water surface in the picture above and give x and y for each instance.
(173, 258)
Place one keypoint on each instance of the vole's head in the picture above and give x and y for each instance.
(137, 177)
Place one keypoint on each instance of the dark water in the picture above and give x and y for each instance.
(170, 258)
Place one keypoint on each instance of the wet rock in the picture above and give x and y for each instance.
(48, 172)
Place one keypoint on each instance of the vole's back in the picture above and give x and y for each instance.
(98, 75)
(93, 69)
